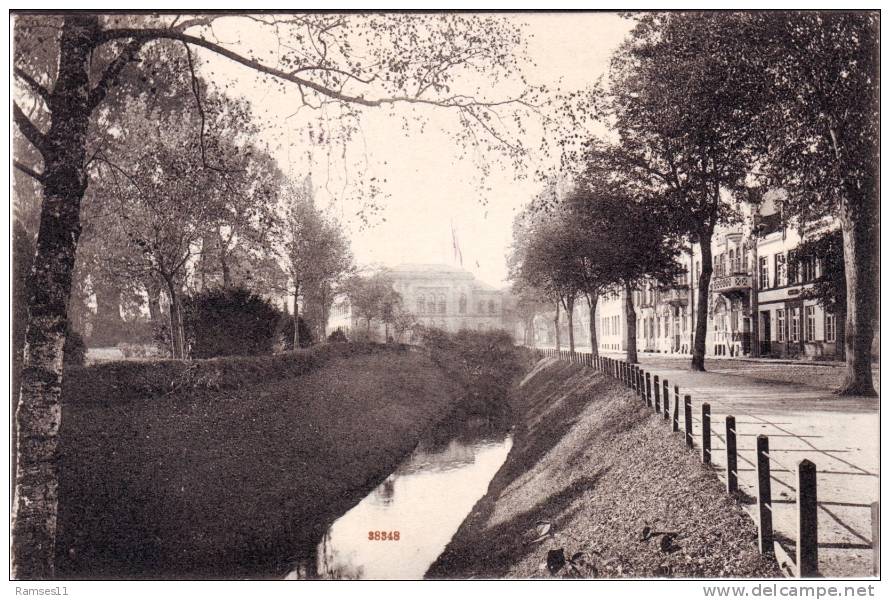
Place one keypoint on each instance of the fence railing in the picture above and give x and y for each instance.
(653, 390)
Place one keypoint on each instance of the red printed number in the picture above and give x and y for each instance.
(383, 536)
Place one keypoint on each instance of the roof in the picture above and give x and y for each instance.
(433, 270)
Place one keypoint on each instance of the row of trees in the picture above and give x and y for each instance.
(704, 108)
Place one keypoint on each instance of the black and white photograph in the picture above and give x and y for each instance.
(444, 294)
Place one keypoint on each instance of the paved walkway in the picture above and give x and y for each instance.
(840, 435)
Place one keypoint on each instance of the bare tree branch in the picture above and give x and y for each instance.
(28, 171)
(127, 55)
(150, 34)
(28, 129)
(33, 84)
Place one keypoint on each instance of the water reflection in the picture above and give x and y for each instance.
(425, 500)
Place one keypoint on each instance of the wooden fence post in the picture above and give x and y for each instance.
(764, 497)
(657, 390)
(642, 385)
(706, 433)
(875, 538)
(667, 401)
(732, 475)
(648, 388)
(675, 426)
(807, 526)
(687, 414)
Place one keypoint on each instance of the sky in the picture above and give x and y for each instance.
(427, 188)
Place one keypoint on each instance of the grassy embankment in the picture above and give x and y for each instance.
(226, 468)
(590, 461)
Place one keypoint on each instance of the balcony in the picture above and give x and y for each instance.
(729, 284)
(676, 296)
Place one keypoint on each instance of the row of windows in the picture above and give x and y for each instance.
(782, 274)
(731, 263)
(438, 304)
(788, 325)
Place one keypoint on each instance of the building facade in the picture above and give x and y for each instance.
(755, 305)
(439, 296)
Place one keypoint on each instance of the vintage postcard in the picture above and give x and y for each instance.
(446, 295)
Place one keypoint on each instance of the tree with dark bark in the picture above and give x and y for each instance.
(543, 258)
(821, 72)
(616, 227)
(66, 66)
(684, 106)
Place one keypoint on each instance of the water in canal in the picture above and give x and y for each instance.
(425, 500)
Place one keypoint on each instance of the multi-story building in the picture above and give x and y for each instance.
(755, 305)
(442, 296)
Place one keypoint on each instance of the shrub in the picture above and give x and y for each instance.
(485, 364)
(228, 322)
(284, 336)
(337, 337)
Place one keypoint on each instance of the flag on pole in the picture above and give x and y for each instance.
(458, 255)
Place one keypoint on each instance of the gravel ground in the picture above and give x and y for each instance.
(820, 376)
(596, 486)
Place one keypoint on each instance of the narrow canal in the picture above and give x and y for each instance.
(402, 526)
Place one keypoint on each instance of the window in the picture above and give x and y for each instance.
(480, 307)
(830, 327)
(421, 304)
(685, 323)
(442, 305)
(794, 334)
(810, 326)
(462, 304)
(657, 327)
(491, 307)
(808, 268)
(781, 273)
(764, 273)
(780, 324)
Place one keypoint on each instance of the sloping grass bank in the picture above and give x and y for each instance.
(594, 475)
(230, 468)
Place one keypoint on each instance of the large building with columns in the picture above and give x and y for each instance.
(440, 296)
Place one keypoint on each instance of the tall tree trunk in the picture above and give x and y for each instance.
(153, 292)
(556, 325)
(592, 300)
(176, 333)
(224, 261)
(860, 254)
(631, 316)
(296, 315)
(39, 411)
(701, 304)
(570, 313)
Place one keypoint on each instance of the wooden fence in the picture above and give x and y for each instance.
(655, 394)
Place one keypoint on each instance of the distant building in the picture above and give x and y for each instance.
(441, 296)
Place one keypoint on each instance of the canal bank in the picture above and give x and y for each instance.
(593, 475)
(231, 479)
